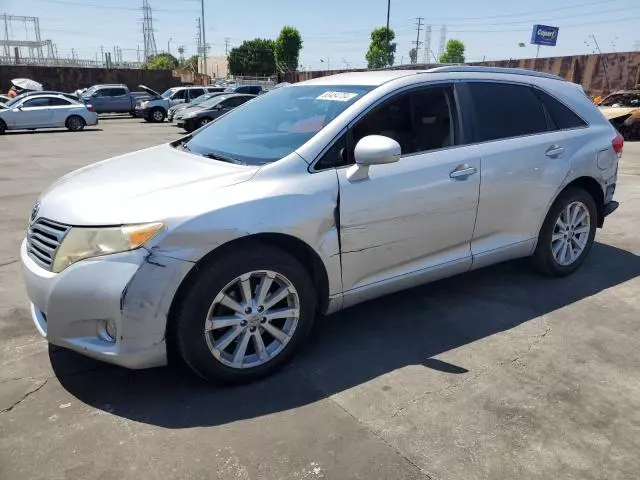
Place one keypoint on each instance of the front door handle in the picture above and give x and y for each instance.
(554, 151)
(463, 171)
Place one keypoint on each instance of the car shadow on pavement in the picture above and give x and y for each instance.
(53, 130)
(351, 347)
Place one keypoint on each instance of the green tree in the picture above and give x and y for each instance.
(162, 61)
(413, 55)
(287, 49)
(191, 64)
(381, 50)
(453, 52)
(253, 57)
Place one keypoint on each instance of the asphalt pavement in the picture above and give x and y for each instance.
(495, 374)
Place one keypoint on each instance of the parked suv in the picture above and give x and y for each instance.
(227, 243)
(156, 108)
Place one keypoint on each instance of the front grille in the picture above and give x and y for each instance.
(43, 239)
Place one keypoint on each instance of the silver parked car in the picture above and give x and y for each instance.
(46, 111)
(310, 199)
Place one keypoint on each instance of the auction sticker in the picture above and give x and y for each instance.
(337, 96)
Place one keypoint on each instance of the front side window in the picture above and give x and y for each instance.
(419, 120)
(234, 102)
(272, 126)
(505, 110)
(36, 102)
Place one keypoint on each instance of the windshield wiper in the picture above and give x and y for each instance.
(222, 158)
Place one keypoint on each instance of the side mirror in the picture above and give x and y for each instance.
(373, 150)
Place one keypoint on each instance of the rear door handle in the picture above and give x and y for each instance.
(463, 171)
(554, 151)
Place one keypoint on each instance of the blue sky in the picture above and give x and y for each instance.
(337, 30)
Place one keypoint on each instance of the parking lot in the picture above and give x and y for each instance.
(495, 374)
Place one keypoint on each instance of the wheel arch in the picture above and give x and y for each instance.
(593, 188)
(299, 249)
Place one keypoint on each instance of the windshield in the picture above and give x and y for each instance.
(168, 93)
(273, 125)
(13, 101)
(90, 90)
(631, 99)
(200, 99)
(212, 102)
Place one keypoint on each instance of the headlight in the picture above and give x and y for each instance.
(144, 104)
(81, 243)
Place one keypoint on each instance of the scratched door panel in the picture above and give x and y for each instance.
(407, 216)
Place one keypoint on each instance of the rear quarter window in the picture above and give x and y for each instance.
(562, 117)
(504, 110)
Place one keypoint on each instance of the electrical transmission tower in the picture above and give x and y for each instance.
(417, 43)
(226, 46)
(147, 31)
(427, 44)
(443, 40)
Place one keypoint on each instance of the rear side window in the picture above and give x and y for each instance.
(115, 92)
(562, 117)
(195, 92)
(54, 102)
(505, 110)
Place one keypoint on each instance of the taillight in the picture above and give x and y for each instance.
(618, 144)
(90, 108)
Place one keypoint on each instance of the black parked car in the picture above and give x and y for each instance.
(250, 89)
(210, 110)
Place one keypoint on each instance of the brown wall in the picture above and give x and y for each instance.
(69, 79)
(598, 74)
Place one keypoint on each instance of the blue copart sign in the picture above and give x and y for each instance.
(544, 35)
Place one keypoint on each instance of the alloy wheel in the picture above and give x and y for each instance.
(158, 115)
(252, 319)
(571, 233)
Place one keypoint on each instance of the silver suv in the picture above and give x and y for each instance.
(228, 243)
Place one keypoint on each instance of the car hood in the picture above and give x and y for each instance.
(150, 91)
(614, 112)
(155, 184)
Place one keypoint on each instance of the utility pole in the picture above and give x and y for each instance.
(169, 45)
(204, 39)
(199, 39)
(387, 30)
(604, 61)
(226, 46)
(418, 42)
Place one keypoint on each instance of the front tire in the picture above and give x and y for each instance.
(204, 121)
(157, 115)
(567, 233)
(75, 123)
(244, 314)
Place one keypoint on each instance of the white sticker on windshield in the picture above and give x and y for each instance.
(337, 96)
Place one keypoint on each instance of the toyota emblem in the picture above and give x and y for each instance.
(34, 212)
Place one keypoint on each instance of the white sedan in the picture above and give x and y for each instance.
(46, 111)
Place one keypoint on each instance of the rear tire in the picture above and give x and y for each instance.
(157, 115)
(567, 234)
(218, 284)
(3, 127)
(75, 123)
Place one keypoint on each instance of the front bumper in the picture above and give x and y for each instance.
(142, 112)
(133, 290)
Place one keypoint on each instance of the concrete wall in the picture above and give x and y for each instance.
(69, 79)
(598, 74)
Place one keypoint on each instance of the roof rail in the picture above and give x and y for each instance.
(480, 69)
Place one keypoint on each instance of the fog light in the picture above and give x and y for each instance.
(107, 331)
